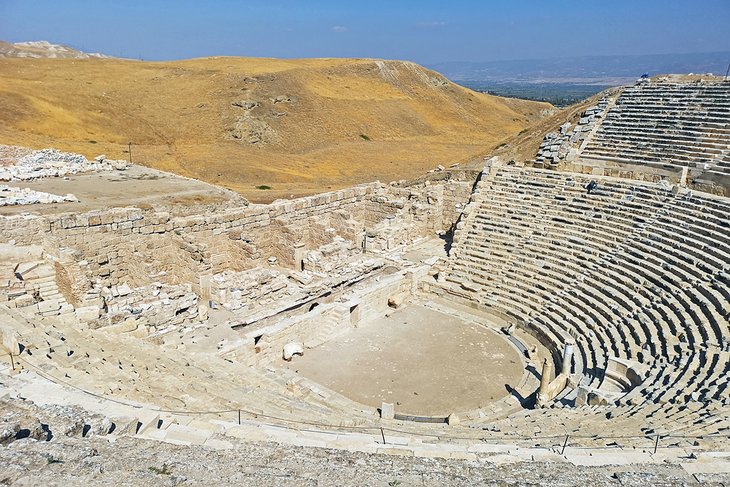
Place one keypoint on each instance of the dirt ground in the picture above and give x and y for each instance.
(423, 361)
(137, 186)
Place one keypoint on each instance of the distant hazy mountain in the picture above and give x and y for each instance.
(605, 70)
(43, 49)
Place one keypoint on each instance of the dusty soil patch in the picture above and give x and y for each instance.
(138, 186)
(424, 361)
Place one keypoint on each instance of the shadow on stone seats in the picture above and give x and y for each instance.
(22, 433)
(448, 239)
(47, 430)
(527, 402)
(532, 370)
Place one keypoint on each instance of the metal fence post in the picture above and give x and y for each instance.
(656, 444)
(565, 444)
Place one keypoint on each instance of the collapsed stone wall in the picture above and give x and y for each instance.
(12, 196)
(262, 344)
(455, 198)
(237, 289)
(92, 254)
(21, 164)
(316, 220)
(453, 187)
(174, 250)
(562, 146)
(23, 230)
(147, 310)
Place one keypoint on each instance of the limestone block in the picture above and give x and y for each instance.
(202, 312)
(149, 420)
(123, 290)
(66, 308)
(49, 306)
(8, 339)
(22, 301)
(396, 301)
(387, 411)
(127, 326)
(124, 425)
(24, 269)
(291, 349)
(140, 332)
(87, 313)
(186, 435)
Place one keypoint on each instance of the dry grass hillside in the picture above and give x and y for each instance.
(298, 126)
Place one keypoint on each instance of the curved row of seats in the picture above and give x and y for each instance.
(684, 124)
(122, 367)
(631, 270)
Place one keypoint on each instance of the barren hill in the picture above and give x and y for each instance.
(297, 126)
(43, 49)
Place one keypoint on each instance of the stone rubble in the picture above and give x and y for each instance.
(562, 145)
(153, 309)
(51, 163)
(238, 290)
(11, 196)
(81, 452)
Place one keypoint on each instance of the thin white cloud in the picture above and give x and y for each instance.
(431, 25)
(339, 28)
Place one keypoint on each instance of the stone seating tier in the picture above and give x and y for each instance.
(632, 270)
(683, 124)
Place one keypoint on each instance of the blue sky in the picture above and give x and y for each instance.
(423, 31)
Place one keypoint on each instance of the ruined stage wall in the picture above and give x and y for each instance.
(140, 247)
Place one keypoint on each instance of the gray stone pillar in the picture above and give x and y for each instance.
(547, 372)
(567, 358)
(299, 252)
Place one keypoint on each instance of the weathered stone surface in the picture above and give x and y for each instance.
(10, 196)
(387, 411)
(53, 163)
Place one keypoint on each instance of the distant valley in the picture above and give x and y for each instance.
(563, 81)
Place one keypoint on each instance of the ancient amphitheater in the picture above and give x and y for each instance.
(571, 309)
